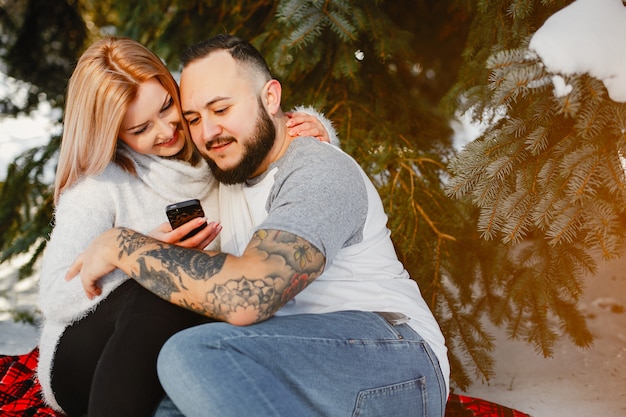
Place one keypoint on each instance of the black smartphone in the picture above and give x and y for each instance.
(180, 213)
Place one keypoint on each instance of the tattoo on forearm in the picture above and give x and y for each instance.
(174, 260)
(196, 264)
(241, 294)
(298, 283)
(290, 264)
(129, 241)
(304, 262)
(158, 282)
(178, 263)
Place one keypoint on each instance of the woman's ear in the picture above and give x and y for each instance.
(271, 95)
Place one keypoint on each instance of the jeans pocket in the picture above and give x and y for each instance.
(406, 399)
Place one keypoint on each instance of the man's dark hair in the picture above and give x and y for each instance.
(239, 49)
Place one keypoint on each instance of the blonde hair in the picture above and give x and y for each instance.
(102, 87)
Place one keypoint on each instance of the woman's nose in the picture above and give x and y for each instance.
(166, 127)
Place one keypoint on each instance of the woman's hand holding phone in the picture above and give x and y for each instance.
(186, 221)
(200, 240)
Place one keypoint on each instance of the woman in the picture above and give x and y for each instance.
(125, 155)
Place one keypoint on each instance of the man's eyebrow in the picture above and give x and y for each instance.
(208, 104)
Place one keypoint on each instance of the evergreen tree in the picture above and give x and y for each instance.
(548, 180)
(40, 43)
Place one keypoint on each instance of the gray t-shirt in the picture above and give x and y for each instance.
(319, 193)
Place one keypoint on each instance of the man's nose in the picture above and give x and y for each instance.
(210, 130)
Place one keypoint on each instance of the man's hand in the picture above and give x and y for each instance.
(95, 262)
(102, 255)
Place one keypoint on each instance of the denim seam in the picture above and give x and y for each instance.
(437, 370)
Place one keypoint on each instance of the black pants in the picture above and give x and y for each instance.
(105, 364)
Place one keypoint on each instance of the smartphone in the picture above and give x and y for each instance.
(180, 213)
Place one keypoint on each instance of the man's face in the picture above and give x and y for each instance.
(255, 148)
(227, 120)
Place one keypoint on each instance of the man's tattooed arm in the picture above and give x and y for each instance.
(275, 267)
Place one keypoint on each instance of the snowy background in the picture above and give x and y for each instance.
(587, 36)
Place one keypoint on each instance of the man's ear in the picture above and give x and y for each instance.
(271, 95)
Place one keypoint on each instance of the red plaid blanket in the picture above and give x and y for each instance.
(462, 406)
(20, 394)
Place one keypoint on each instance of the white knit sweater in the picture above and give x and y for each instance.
(94, 205)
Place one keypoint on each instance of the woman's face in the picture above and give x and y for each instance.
(151, 125)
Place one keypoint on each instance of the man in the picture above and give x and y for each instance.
(320, 317)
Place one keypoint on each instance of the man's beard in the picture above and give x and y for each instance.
(254, 151)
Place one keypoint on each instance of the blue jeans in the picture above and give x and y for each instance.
(333, 365)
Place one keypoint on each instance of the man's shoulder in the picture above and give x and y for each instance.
(317, 167)
(309, 150)
(301, 142)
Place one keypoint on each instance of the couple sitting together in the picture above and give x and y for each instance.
(289, 302)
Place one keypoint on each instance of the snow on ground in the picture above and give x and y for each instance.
(575, 382)
(16, 338)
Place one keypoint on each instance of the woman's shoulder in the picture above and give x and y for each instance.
(97, 185)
